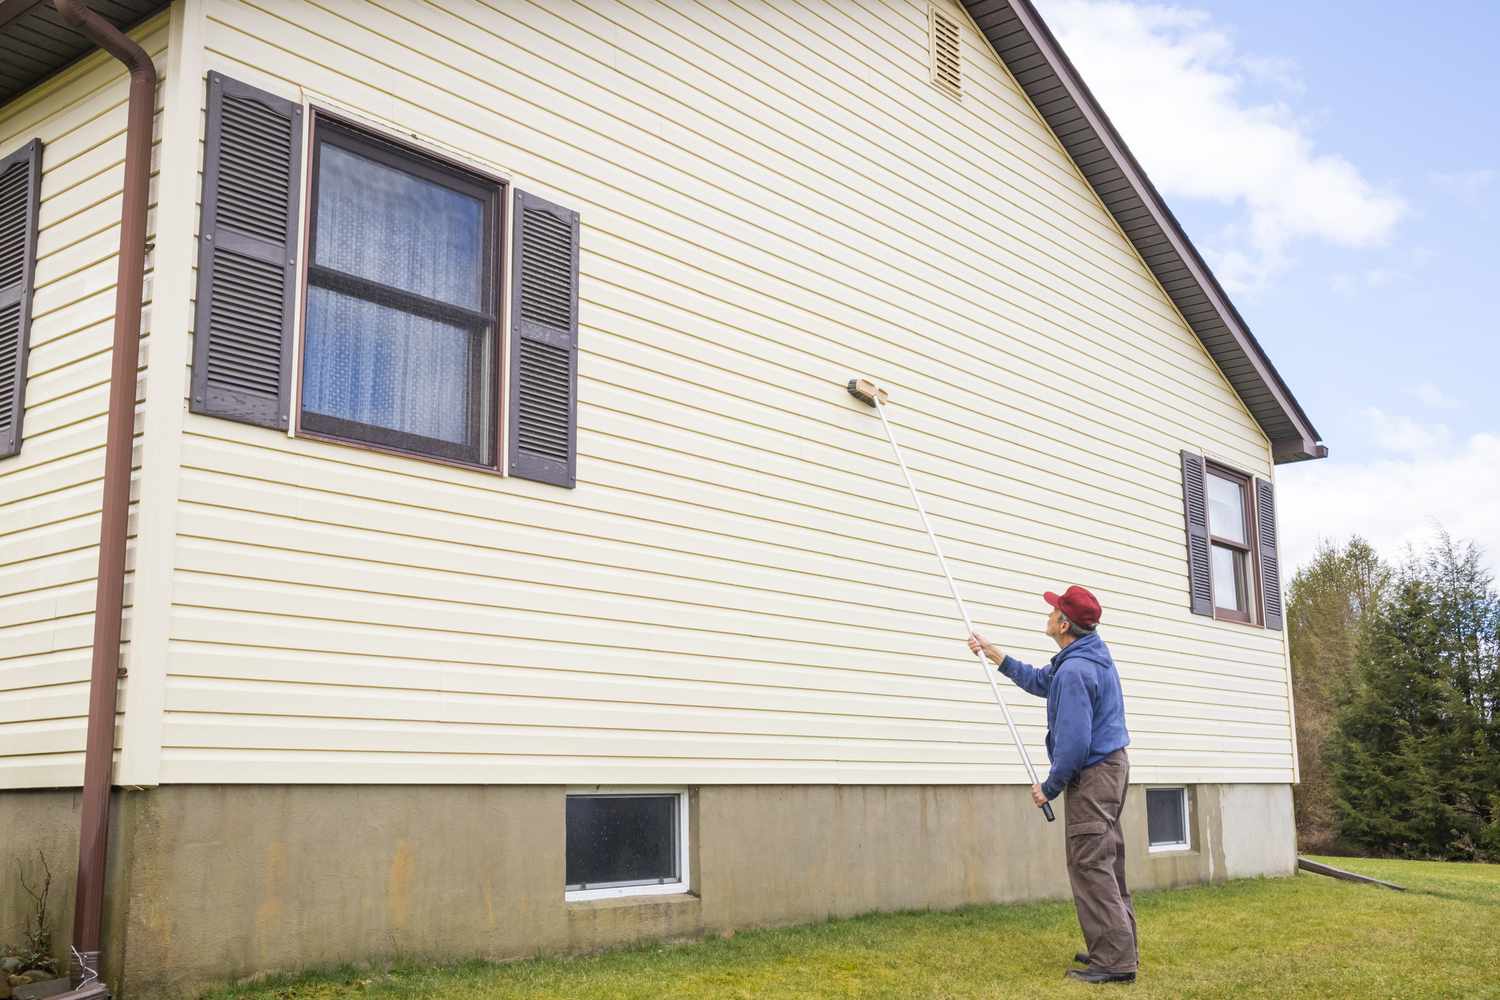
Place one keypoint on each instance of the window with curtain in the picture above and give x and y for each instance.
(399, 350)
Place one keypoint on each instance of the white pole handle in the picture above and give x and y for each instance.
(989, 673)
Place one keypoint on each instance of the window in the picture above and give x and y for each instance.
(1229, 529)
(399, 348)
(626, 844)
(1167, 819)
(1234, 572)
(402, 276)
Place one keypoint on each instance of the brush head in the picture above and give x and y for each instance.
(867, 392)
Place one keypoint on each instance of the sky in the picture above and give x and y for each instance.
(1338, 165)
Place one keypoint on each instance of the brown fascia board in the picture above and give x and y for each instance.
(1015, 29)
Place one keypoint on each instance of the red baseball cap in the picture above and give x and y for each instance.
(1081, 607)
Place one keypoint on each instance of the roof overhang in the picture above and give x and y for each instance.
(1024, 43)
(35, 41)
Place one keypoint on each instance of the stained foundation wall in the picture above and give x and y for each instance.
(213, 883)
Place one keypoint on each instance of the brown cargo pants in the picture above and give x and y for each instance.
(1096, 863)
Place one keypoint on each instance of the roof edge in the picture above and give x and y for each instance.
(1305, 443)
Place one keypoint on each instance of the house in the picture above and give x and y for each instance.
(505, 569)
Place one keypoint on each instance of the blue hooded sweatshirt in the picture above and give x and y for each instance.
(1085, 709)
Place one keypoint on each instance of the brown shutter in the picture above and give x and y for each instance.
(20, 195)
(1270, 564)
(544, 342)
(1195, 504)
(247, 244)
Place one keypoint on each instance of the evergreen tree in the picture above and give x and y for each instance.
(1468, 613)
(1416, 752)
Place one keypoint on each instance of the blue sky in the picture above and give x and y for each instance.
(1339, 165)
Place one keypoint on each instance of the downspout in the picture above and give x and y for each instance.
(98, 764)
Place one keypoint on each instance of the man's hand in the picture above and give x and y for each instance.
(977, 644)
(1037, 796)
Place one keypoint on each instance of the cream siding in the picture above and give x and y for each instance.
(774, 197)
(50, 492)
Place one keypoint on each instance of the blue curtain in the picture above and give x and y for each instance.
(371, 362)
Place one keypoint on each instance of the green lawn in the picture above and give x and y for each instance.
(1307, 936)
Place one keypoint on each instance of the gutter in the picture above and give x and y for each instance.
(88, 913)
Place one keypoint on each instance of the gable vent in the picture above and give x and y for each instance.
(943, 38)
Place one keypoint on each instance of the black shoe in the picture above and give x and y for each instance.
(1082, 958)
(1099, 976)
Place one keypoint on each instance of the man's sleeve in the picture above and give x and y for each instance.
(1027, 678)
(1071, 733)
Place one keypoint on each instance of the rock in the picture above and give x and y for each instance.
(9, 964)
(727, 933)
(4, 989)
(43, 987)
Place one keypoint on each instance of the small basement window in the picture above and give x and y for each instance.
(1167, 819)
(626, 844)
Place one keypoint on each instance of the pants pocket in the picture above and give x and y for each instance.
(1089, 846)
(1084, 828)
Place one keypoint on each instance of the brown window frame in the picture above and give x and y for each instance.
(1255, 614)
(495, 192)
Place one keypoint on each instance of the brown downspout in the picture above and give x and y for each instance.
(98, 764)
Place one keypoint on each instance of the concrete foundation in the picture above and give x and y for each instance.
(37, 825)
(210, 883)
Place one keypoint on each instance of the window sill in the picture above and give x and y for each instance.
(1220, 616)
(381, 449)
(682, 899)
(1169, 850)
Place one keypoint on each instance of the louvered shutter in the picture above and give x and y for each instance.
(1195, 505)
(544, 342)
(1270, 562)
(242, 350)
(20, 194)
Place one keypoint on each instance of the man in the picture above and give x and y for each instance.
(1086, 742)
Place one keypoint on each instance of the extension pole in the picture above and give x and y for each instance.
(989, 673)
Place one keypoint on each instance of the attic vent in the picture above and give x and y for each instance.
(943, 35)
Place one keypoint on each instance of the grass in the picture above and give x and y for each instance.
(1307, 936)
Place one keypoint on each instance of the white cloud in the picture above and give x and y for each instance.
(1431, 396)
(1174, 84)
(1401, 266)
(1393, 503)
(1402, 434)
(1469, 186)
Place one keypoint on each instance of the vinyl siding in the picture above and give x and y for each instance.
(774, 198)
(50, 493)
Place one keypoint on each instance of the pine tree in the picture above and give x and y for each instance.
(1414, 756)
(1377, 758)
(1468, 613)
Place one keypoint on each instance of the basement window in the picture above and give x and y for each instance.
(628, 843)
(1167, 819)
